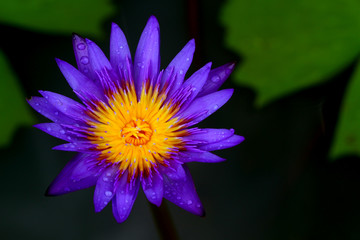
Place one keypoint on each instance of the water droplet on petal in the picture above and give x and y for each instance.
(62, 131)
(178, 198)
(56, 113)
(198, 205)
(181, 72)
(108, 193)
(216, 106)
(189, 202)
(84, 60)
(81, 46)
(105, 179)
(215, 78)
(48, 128)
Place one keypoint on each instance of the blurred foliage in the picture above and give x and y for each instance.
(347, 135)
(52, 16)
(290, 45)
(49, 16)
(13, 108)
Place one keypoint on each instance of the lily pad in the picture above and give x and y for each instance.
(57, 16)
(290, 45)
(347, 133)
(13, 108)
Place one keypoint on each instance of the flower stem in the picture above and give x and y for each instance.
(164, 223)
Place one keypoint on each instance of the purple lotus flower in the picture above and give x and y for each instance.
(133, 126)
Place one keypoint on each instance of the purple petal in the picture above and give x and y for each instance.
(42, 106)
(125, 197)
(210, 135)
(174, 171)
(57, 131)
(195, 83)
(82, 56)
(66, 105)
(119, 49)
(179, 65)
(75, 147)
(216, 78)
(205, 157)
(81, 172)
(182, 192)
(154, 189)
(207, 104)
(226, 143)
(79, 82)
(147, 56)
(97, 58)
(104, 190)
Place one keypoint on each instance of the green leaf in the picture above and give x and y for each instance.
(290, 45)
(13, 108)
(57, 16)
(347, 134)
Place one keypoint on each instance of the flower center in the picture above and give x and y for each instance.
(137, 132)
(138, 135)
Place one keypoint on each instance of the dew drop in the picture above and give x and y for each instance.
(216, 106)
(108, 193)
(121, 47)
(62, 131)
(56, 113)
(48, 128)
(181, 72)
(189, 202)
(187, 59)
(81, 46)
(215, 78)
(178, 198)
(105, 179)
(153, 197)
(84, 60)
(198, 205)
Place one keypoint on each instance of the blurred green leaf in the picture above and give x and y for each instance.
(57, 16)
(347, 133)
(13, 107)
(290, 45)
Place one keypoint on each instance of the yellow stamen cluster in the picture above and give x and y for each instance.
(136, 134)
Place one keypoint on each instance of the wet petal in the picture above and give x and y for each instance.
(195, 83)
(216, 78)
(75, 147)
(125, 197)
(147, 56)
(210, 135)
(206, 157)
(78, 174)
(174, 171)
(154, 189)
(119, 49)
(97, 58)
(82, 56)
(79, 82)
(57, 131)
(66, 105)
(182, 192)
(42, 106)
(104, 190)
(207, 104)
(226, 143)
(179, 65)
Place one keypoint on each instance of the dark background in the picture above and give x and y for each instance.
(277, 184)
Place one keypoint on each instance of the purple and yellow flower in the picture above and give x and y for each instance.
(134, 125)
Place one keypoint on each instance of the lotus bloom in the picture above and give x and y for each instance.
(134, 125)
